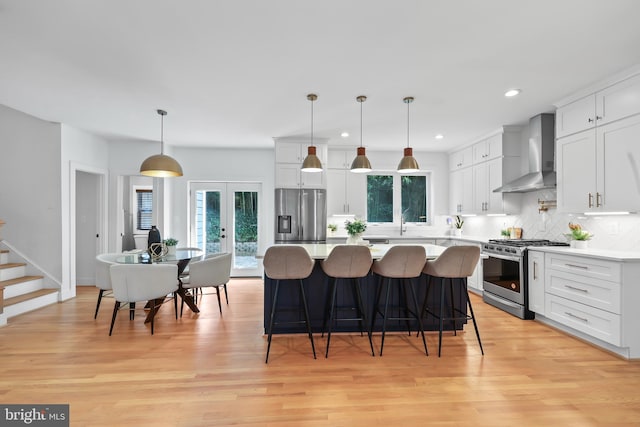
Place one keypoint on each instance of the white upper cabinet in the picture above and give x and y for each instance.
(461, 159)
(612, 103)
(494, 161)
(598, 168)
(346, 192)
(289, 158)
(340, 158)
(461, 191)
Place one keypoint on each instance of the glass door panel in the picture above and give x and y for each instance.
(224, 218)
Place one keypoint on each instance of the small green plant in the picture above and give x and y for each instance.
(577, 233)
(505, 232)
(355, 227)
(170, 241)
(332, 227)
(459, 222)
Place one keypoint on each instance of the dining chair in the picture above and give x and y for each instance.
(286, 264)
(347, 264)
(454, 265)
(103, 277)
(143, 282)
(399, 266)
(213, 271)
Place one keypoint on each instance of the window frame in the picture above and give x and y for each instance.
(397, 197)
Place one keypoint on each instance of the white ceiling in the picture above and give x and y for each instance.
(237, 72)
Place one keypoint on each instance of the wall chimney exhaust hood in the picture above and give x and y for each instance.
(541, 153)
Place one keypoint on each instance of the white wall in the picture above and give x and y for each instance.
(80, 152)
(222, 165)
(30, 189)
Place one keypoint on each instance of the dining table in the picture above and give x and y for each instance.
(181, 257)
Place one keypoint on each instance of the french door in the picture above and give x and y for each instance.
(224, 218)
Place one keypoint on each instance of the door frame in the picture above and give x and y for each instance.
(227, 190)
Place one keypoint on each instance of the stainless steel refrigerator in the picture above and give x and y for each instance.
(301, 215)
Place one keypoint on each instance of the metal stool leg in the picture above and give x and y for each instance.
(273, 312)
(334, 289)
(306, 315)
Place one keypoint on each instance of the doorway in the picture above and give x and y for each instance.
(224, 217)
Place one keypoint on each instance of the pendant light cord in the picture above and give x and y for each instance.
(408, 123)
(311, 122)
(162, 134)
(361, 123)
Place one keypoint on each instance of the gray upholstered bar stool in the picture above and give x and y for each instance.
(456, 263)
(288, 263)
(400, 265)
(347, 264)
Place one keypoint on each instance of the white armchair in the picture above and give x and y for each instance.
(103, 277)
(142, 282)
(213, 271)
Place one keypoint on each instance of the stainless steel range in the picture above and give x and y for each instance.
(504, 268)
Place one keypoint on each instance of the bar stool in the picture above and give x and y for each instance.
(347, 262)
(286, 263)
(401, 264)
(456, 263)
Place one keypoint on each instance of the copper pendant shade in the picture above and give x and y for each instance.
(161, 165)
(361, 163)
(408, 164)
(311, 163)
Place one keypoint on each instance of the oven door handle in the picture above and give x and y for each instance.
(505, 257)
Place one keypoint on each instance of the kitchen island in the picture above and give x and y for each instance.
(317, 292)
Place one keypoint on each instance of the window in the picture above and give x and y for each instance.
(410, 192)
(144, 209)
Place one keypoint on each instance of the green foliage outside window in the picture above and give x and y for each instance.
(379, 198)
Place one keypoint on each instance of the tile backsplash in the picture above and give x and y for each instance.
(616, 232)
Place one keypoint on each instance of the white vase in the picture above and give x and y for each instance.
(171, 250)
(354, 239)
(579, 244)
(457, 232)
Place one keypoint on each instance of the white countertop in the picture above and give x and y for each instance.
(592, 253)
(322, 250)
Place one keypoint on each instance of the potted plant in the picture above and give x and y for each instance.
(458, 224)
(332, 228)
(578, 238)
(170, 243)
(355, 229)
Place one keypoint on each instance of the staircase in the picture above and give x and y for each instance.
(19, 292)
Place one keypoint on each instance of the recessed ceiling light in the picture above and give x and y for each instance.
(344, 134)
(512, 92)
(439, 136)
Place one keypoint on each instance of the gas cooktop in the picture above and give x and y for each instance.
(526, 242)
(516, 247)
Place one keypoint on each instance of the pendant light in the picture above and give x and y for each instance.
(161, 165)
(311, 163)
(408, 163)
(361, 164)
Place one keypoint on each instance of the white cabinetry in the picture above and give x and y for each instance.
(461, 191)
(584, 294)
(597, 154)
(593, 298)
(535, 282)
(461, 159)
(605, 106)
(598, 168)
(346, 192)
(289, 158)
(495, 161)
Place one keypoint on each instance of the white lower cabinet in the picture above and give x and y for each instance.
(535, 282)
(591, 296)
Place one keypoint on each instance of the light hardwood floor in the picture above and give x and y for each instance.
(208, 370)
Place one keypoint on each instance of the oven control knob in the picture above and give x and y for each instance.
(513, 286)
